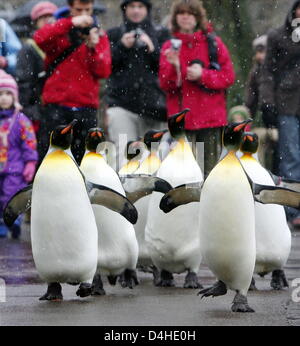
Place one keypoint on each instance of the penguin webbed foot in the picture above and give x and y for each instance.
(84, 290)
(97, 286)
(112, 279)
(191, 281)
(129, 279)
(218, 289)
(166, 279)
(279, 281)
(240, 304)
(252, 285)
(53, 293)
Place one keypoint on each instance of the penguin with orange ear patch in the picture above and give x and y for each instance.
(64, 233)
(273, 236)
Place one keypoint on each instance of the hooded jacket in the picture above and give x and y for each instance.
(133, 84)
(75, 81)
(281, 75)
(208, 110)
(17, 142)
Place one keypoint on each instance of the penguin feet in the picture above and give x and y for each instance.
(97, 286)
(112, 279)
(240, 304)
(84, 290)
(129, 279)
(53, 293)
(156, 275)
(191, 281)
(166, 279)
(218, 289)
(279, 281)
(252, 285)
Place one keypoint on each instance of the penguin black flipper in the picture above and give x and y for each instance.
(267, 194)
(113, 200)
(290, 184)
(183, 194)
(276, 195)
(17, 205)
(138, 186)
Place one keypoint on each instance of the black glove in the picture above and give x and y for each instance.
(269, 115)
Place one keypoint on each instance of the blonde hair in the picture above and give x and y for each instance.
(194, 7)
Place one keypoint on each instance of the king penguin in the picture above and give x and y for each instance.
(64, 233)
(273, 236)
(227, 223)
(173, 240)
(117, 244)
(149, 166)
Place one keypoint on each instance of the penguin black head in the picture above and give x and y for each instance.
(233, 134)
(249, 143)
(153, 136)
(177, 124)
(94, 137)
(133, 149)
(62, 136)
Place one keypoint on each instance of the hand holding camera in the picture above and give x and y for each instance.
(138, 39)
(83, 21)
(194, 72)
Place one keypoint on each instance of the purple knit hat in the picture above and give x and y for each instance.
(7, 82)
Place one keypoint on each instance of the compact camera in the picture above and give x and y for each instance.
(86, 31)
(137, 34)
(176, 44)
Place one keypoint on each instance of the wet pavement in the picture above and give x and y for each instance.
(145, 305)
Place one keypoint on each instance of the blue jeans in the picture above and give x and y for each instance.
(289, 152)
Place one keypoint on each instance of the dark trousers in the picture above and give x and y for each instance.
(212, 140)
(289, 152)
(55, 115)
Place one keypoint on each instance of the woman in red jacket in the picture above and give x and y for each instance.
(189, 80)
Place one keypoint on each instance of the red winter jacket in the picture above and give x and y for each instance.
(75, 82)
(207, 110)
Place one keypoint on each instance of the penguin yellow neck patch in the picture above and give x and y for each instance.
(58, 159)
(150, 165)
(248, 157)
(130, 167)
(94, 155)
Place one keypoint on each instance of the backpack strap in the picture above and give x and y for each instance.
(38, 50)
(213, 51)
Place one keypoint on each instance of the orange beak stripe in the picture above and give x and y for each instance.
(180, 118)
(240, 127)
(158, 135)
(250, 138)
(66, 129)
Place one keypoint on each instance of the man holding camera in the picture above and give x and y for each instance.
(135, 101)
(77, 56)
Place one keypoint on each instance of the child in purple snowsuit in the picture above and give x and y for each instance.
(18, 154)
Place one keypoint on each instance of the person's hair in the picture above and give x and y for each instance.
(194, 7)
(71, 2)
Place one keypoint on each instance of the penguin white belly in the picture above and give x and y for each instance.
(142, 207)
(173, 239)
(273, 236)
(117, 244)
(227, 225)
(63, 228)
(149, 167)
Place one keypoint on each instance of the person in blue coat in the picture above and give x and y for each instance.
(9, 47)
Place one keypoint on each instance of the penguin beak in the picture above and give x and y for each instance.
(242, 125)
(96, 133)
(69, 127)
(182, 114)
(249, 138)
(160, 134)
